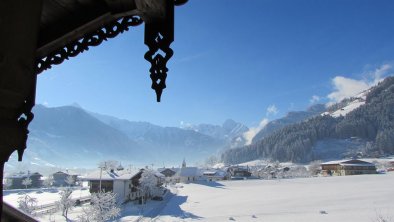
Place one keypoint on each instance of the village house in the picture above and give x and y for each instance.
(347, 167)
(214, 174)
(60, 178)
(168, 172)
(391, 165)
(239, 172)
(124, 183)
(187, 174)
(14, 181)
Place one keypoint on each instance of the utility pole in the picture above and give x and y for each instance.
(101, 172)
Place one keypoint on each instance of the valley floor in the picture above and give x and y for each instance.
(362, 198)
(349, 198)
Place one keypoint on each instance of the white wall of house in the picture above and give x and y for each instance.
(122, 190)
(189, 179)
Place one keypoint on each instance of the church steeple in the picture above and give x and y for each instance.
(183, 163)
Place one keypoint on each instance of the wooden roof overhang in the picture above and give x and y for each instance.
(69, 27)
(37, 34)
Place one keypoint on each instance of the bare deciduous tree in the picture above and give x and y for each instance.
(315, 167)
(26, 182)
(27, 204)
(70, 180)
(103, 208)
(65, 203)
(48, 181)
(148, 183)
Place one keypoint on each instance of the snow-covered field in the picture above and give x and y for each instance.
(43, 196)
(348, 198)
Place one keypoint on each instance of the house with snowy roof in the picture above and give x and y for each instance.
(168, 172)
(390, 165)
(60, 178)
(124, 183)
(239, 172)
(14, 181)
(214, 174)
(187, 174)
(348, 167)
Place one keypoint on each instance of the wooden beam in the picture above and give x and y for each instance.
(19, 25)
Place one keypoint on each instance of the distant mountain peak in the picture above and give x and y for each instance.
(76, 105)
(229, 122)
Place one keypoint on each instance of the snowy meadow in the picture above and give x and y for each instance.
(347, 198)
(341, 198)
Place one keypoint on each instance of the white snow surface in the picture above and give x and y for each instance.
(358, 101)
(264, 163)
(348, 198)
(43, 196)
(347, 109)
(344, 198)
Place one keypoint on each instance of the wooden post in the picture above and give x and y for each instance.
(19, 27)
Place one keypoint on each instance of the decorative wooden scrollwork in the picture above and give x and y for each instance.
(92, 39)
(25, 117)
(158, 37)
(159, 34)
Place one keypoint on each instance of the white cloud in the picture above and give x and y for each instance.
(254, 130)
(379, 74)
(346, 87)
(314, 99)
(272, 110)
(45, 103)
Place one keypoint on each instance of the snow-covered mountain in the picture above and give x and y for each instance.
(168, 142)
(347, 105)
(230, 132)
(359, 126)
(70, 136)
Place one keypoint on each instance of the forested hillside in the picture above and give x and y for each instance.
(290, 118)
(373, 122)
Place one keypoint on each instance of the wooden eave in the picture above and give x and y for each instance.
(65, 21)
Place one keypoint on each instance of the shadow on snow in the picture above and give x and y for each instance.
(213, 184)
(172, 208)
(169, 207)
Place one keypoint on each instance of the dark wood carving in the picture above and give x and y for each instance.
(159, 35)
(91, 39)
(37, 34)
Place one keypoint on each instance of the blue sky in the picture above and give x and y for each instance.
(251, 60)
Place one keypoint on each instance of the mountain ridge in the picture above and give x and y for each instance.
(69, 136)
(372, 122)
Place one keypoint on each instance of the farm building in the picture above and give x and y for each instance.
(348, 167)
